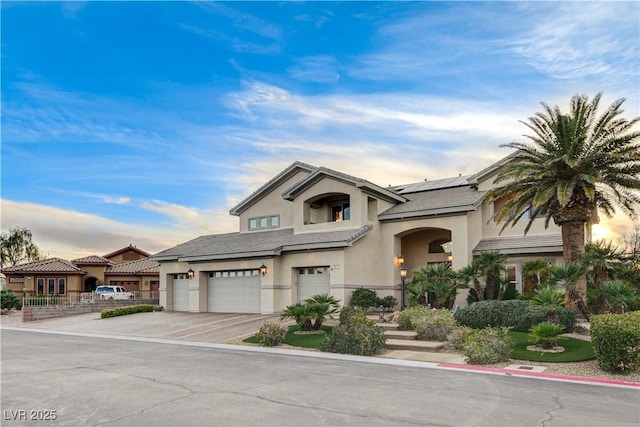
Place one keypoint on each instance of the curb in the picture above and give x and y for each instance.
(540, 375)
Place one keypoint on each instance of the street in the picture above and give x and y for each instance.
(52, 379)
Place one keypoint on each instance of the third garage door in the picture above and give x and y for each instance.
(312, 281)
(234, 291)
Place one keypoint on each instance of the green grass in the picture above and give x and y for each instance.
(575, 350)
(305, 341)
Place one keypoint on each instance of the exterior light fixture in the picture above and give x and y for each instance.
(403, 276)
(191, 273)
(399, 260)
(263, 269)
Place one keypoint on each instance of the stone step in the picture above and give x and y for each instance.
(400, 335)
(414, 345)
(388, 326)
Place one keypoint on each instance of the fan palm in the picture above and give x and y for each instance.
(575, 164)
(534, 271)
(492, 266)
(568, 277)
(600, 259)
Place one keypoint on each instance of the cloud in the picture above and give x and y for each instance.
(72, 234)
(575, 40)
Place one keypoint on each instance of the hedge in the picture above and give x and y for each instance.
(131, 309)
(616, 341)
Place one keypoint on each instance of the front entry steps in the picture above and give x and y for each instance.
(406, 340)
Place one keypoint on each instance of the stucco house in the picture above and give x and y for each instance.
(129, 267)
(312, 230)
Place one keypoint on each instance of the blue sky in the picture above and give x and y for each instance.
(145, 122)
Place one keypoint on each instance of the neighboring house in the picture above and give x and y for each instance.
(313, 230)
(129, 267)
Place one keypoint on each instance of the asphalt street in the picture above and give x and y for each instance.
(58, 379)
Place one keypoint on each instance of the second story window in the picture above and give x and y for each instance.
(340, 211)
(263, 222)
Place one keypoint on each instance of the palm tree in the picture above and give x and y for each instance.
(471, 273)
(322, 305)
(600, 259)
(534, 271)
(491, 265)
(549, 300)
(619, 295)
(568, 277)
(575, 164)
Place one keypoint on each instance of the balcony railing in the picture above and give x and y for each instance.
(82, 298)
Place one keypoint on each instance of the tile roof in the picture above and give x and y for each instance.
(435, 202)
(138, 267)
(542, 243)
(254, 244)
(322, 172)
(49, 265)
(125, 249)
(92, 259)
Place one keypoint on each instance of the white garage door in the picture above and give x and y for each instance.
(181, 292)
(312, 281)
(234, 291)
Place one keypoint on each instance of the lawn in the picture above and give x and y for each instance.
(305, 340)
(575, 350)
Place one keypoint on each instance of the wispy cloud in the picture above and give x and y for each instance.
(575, 40)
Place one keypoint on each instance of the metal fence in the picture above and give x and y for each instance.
(81, 298)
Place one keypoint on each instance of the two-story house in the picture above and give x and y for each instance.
(312, 230)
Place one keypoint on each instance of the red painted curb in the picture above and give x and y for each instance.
(539, 374)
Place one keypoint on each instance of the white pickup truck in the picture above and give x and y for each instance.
(112, 293)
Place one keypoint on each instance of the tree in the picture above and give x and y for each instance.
(492, 265)
(600, 259)
(535, 271)
(16, 247)
(574, 165)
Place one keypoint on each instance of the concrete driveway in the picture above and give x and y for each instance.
(203, 327)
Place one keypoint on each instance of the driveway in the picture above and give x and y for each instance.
(203, 327)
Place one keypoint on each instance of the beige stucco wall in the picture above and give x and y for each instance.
(273, 204)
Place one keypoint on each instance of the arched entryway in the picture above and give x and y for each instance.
(424, 246)
(90, 284)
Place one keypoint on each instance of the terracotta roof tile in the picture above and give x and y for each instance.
(542, 243)
(141, 266)
(92, 259)
(49, 265)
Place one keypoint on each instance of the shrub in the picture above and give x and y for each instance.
(437, 325)
(410, 317)
(545, 334)
(357, 335)
(388, 303)
(364, 298)
(132, 309)
(271, 333)
(517, 314)
(457, 338)
(616, 341)
(488, 345)
(8, 300)
(347, 312)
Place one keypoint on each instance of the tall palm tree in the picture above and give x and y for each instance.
(573, 165)
(492, 266)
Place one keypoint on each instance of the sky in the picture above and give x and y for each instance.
(143, 123)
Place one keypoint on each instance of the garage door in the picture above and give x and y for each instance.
(181, 292)
(312, 281)
(234, 291)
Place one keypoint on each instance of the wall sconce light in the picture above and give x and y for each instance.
(191, 273)
(449, 258)
(399, 260)
(263, 269)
